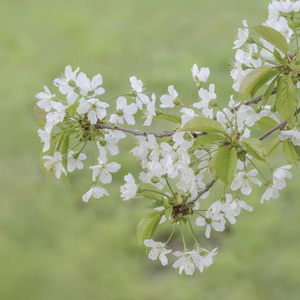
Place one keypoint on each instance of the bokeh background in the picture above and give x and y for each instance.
(52, 245)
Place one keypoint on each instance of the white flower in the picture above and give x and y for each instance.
(75, 161)
(45, 137)
(137, 89)
(206, 258)
(150, 111)
(242, 37)
(124, 112)
(279, 176)
(187, 261)
(96, 192)
(271, 192)
(67, 84)
(103, 170)
(94, 108)
(45, 99)
(206, 97)
(158, 251)
(187, 114)
(129, 189)
(292, 135)
(201, 75)
(242, 180)
(56, 116)
(169, 99)
(211, 220)
(55, 163)
(110, 142)
(90, 88)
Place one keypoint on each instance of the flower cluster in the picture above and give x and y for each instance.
(208, 144)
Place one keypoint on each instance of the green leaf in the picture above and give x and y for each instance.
(266, 123)
(171, 118)
(272, 36)
(286, 98)
(168, 212)
(226, 162)
(290, 153)
(273, 147)
(212, 166)
(150, 194)
(154, 204)
(207, 139)
(265, 97)
(294, 25)
(277, 55)
(255, 79)
(255, 148)
(148, 225)
(40, 113)
(71, 110)
(204, 125)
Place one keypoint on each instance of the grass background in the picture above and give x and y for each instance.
(52, 246)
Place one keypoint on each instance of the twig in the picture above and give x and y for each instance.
(200, 193)
(210, 184)
(134, 132)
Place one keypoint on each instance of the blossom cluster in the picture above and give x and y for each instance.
(209, 144)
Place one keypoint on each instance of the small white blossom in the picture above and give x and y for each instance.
(242, 36)
(168, 100)
(187, 261)
(55, 163)
(103, 170)
(137, 89)
(150, 111)
(200, 75)
(95, 191)
(158, 251)
(124, 112)
(45, 137)
(129, 189)
(292, 135)
(242, 181)
(75, 161)
(55, 116)
(211, 220)
(45, 99)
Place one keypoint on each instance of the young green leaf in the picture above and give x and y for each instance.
(255, 79)
(272, 36)
(265, 97)
(40, 113)
(273, 147)
(225, 164)
(255, 148)
(290, 153)
(71, 110)
(148, 225)
(171, 118)
(212, 166)
(286, 98)
(207, 139)
(266, 123)
(204, 125)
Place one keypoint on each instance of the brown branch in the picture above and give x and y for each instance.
(134, 132)
(210, 184)
(200, 193)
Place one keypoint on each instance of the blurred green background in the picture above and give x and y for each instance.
(52, 245)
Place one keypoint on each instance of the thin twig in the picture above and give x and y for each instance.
(210, 184)
(134, 132)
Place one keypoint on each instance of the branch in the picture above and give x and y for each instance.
(134, 132)
(252, 101)
(207, 187)
(210, 184)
